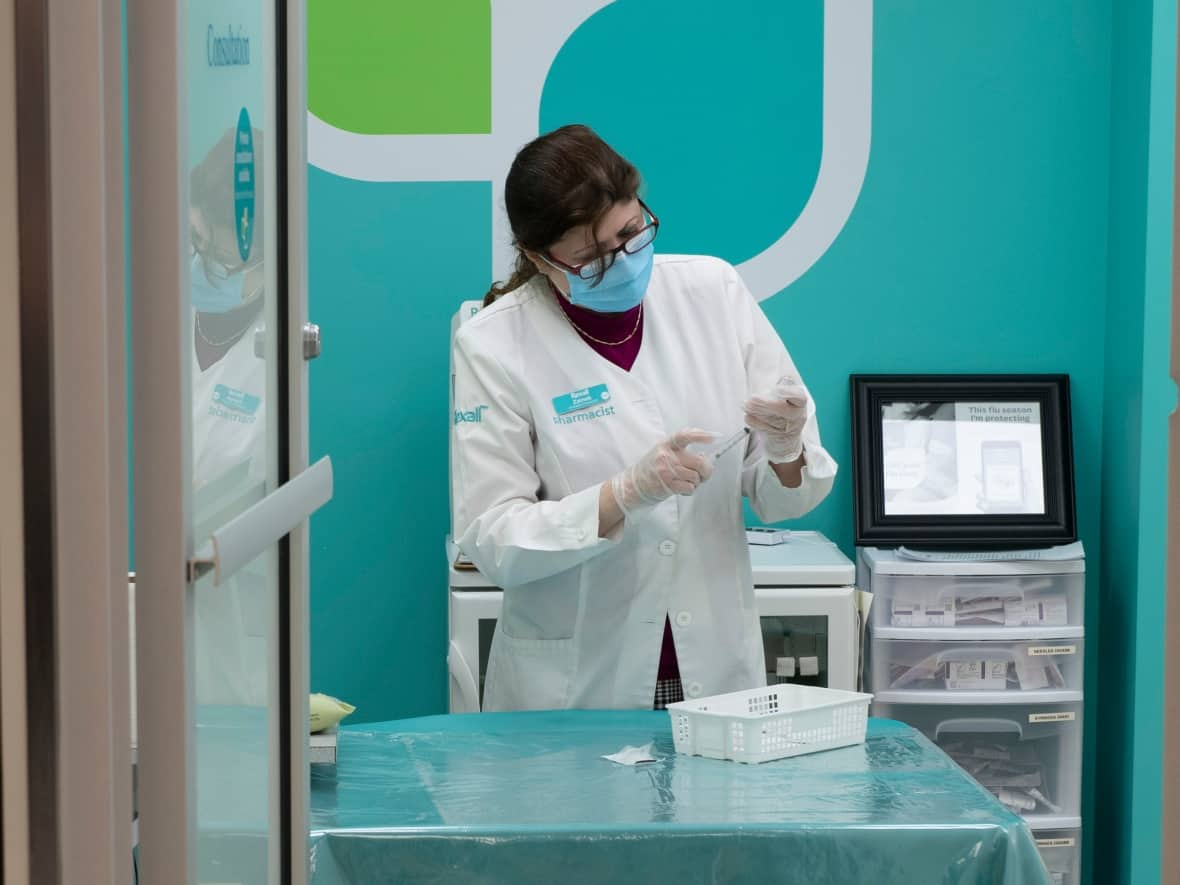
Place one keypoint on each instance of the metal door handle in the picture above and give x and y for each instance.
(311, 341)
(248, 535)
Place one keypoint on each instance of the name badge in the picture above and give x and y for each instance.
(238, 400)
(576, 400)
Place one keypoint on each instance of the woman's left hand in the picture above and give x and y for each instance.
(780, 415)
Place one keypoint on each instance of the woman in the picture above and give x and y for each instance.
(229, 383)
(587, 389)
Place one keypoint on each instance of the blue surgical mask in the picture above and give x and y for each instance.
(210, 296)
(622, 287)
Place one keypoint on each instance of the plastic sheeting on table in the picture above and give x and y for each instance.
(233, 770)
(526, 797)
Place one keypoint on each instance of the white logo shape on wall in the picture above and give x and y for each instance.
(531, 33)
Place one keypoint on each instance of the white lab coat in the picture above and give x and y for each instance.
(229, 431)
(583, 616)
(229, 412)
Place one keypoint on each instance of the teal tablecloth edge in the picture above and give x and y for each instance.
(562, 720)
(996, 849)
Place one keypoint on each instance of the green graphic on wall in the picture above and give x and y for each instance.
(768, 103)
(400, 68)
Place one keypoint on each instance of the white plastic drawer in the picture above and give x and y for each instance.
(949, 671)
(1061, 851)
(1015, 604)
(1011, 749)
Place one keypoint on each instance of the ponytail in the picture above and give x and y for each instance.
(524, 271)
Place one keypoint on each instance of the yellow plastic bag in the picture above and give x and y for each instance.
(326, 711)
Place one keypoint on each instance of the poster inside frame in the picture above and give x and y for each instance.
(962, 461)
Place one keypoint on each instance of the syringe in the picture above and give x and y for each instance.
(719, 448)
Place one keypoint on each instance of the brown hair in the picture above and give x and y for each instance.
(558, 181)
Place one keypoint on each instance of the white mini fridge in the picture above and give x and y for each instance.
(806, 600)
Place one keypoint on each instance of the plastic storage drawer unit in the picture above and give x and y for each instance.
(964, 671)
(1062, 855)
(1028, 755)
(1008, 599)
(1013, 603)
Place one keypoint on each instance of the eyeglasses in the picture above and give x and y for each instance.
(216, 270)
(634, 243)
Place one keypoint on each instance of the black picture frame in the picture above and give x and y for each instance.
(953, 395)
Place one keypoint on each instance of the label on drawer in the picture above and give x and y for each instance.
(1052, 717)
(1038, 651)
(915, 610)
(903, 615)
(1063, 842)
(1048, 609)
(977, 675)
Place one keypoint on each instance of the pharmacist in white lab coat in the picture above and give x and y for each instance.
(581, 396)
(229, 424)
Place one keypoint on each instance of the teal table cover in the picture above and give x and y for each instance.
(526, 797)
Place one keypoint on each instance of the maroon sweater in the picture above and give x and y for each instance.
(616, 327)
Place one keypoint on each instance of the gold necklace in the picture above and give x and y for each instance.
(232, 338)
(587, 335)
(236, 335)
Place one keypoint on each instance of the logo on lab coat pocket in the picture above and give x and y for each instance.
(234, 404)
(472, 416)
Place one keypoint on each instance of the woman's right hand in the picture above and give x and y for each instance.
(668, 469)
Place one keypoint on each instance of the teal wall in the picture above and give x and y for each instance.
(388, 264)
(727, 165)
(981, 225)
(979, 243)
(1138, 399)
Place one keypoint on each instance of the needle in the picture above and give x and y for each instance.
(724, 446)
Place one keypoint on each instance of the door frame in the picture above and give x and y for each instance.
(1170, 823)
(294, 550)
(157, 91)
(14, 761)
(69, 813)
(166, 782)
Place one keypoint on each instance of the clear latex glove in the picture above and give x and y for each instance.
(668, 469)
(780, 416)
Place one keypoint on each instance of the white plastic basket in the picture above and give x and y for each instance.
(774, 722)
